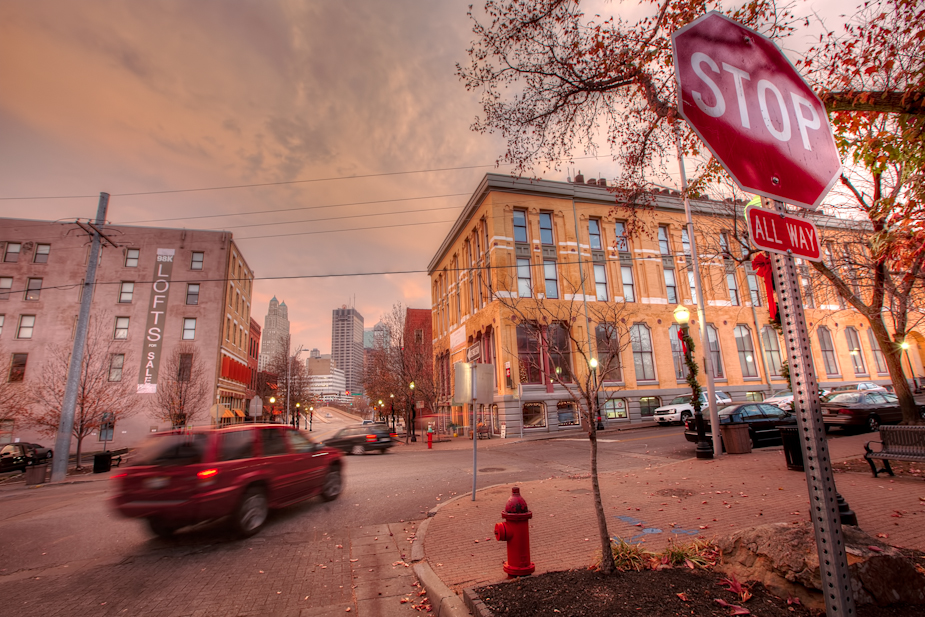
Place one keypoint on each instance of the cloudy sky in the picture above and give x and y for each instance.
(354, 99)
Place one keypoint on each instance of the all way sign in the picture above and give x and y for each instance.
(778, 233)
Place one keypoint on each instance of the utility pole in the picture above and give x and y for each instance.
(66, 423)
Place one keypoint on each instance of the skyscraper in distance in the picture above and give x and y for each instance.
(275, 333)
(347, 346)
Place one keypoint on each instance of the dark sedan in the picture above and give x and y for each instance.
(860, 410)
(762, 420)
(362, 438)
(17, 456)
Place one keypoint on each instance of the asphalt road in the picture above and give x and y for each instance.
(61, 543)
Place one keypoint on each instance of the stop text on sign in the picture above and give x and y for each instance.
(778, 233)
(776, 116)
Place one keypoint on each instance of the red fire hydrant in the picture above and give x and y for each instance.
(516, 532)
(430, 440)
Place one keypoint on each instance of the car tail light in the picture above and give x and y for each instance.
(394, 436)
(371, 438)
(205, 474)
(845, 412)
(118, 475)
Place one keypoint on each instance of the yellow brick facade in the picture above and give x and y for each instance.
(478, 299)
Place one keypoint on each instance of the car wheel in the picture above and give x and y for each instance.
(357, 449)
(685, 416)
(873, 423)
(333, 485)
(160, 528)
(252, 512)
(49, 454)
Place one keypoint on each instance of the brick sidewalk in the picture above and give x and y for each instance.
(681, 500)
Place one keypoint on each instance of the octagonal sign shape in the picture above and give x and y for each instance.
(752, 109)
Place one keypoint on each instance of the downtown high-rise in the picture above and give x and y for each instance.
(275, 333)
(347, 346)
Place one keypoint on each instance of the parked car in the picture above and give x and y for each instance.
(860, 410)
(188, 476)
(858, 387)
(18, 456)
(782, 399)
(762, 420)
(362, 438)
(681, 407)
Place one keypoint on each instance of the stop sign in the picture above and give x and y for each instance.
(749, 105)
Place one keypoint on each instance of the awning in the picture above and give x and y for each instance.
(227, 414)
(239, 413)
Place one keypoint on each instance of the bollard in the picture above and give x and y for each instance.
(516, 532)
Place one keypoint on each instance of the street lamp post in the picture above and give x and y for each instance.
(682, 316)
(392, 399)
(593, 364)
(272, 404)
(298, 416)
(414, 436)
(905, 348)
(311, 416)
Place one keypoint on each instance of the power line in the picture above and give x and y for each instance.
(332, 231)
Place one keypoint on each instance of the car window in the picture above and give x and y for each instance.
(722, 396)
(750, 412)
(782, 393)
(681, 400)
(875, 397)
(772, 412)
(300, 442)
(272, 442)
(844, 397)
(236, 445)
(170, 450)
(890, 398)
(9, 450)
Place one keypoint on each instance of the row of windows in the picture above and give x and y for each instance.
(116, 367)
(127, 293)
(33, 291)
(26, 328)
(14, 250)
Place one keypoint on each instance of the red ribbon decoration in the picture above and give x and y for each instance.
(762, 267)
(681, 338)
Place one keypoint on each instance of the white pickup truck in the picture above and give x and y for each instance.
(680, 409)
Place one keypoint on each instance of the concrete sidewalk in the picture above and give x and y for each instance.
(677, 501)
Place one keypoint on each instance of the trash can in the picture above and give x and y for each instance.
(793, 452)
(736, 438)
(35, 474)
(102, 462)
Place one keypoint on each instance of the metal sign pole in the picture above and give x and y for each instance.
(833, 560)
(475, 430)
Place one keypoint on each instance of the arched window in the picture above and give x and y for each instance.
(677, 353)
(746, 349)
(827, 346)
(643, 361)
(716, 355)
(878, 353)
(854, 350)
(608, 352)
(771, 344)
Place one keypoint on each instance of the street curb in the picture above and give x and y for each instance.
(445, 602)
(475, 604)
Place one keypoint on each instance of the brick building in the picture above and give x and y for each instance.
(513, 265)
(202, 301)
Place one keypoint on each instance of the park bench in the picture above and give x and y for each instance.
(117, 456)
(898, 443)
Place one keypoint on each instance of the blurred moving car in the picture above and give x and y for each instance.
(857, 387)
(681, 407)
(860, 410)
(18, 456)
(183, 477)
(782, 399)
(362, 438)
(762, 420)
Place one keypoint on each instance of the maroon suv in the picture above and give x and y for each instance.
(183, 477)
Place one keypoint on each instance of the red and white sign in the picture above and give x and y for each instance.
(750, 106)
(778, 233)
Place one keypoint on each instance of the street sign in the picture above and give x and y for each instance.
(749, 105)
(779, 233)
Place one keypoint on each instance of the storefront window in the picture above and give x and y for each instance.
(534, 415)
(648, 405)
(568, 413)
(614, 409)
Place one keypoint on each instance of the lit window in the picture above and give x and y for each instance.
(41, 253)
(126, 292)
(26, 326)
(746, 351)
(121, 328)
(12, 252)
(189, 329)
(648, 405)
(116, 362)
(629, 289)
(33, 289)
(197, 260)
(549, 275)
(6, 283)
(192, 293)
(131, 258)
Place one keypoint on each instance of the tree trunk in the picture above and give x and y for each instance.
(80, 441)
(892, 353)
(607, 563)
